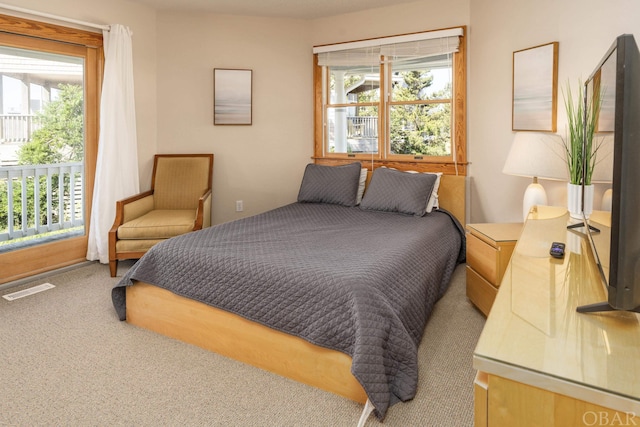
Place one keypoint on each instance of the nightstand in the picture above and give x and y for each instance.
(489, 249)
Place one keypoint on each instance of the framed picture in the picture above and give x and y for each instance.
(535, 88)
(232, 96)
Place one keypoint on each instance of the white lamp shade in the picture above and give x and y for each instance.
(535, 154)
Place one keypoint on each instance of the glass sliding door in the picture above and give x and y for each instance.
(41, 147)
(48, 141)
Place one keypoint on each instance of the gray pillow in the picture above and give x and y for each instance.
(330, 184)
(396, 191)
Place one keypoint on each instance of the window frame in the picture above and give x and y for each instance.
(390, 103)
(380, 105)
(455, 164)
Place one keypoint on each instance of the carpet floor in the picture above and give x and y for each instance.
(67, 360)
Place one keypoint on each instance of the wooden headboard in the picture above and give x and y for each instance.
(452, 196)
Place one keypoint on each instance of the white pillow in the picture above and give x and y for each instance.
(361, 185)
(433, 200)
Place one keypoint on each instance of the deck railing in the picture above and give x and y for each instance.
(39, 199)
(17, 127)
(362, 127)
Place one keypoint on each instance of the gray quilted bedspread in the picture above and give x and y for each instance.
(360, 282)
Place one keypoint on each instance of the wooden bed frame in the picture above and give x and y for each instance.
(193, 322)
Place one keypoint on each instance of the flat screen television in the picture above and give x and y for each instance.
(615, 242)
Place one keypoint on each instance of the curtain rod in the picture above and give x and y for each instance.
(55, 17)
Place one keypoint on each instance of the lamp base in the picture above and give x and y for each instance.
(533, 195)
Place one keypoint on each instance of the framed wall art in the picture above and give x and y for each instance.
(535, 88)
(232, 96)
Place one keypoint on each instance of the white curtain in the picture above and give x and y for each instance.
(117, 166)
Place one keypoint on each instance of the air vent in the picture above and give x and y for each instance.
(28, 291)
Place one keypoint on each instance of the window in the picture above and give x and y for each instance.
(352, 104)
(420, 108)
(399, 98)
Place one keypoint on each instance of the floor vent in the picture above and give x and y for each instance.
(28, 291)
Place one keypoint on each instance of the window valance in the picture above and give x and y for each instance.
(398, 48)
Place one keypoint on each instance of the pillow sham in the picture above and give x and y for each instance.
(392, 190)
(433, 202)
(330, 184)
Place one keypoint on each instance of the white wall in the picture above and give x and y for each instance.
(584, 29)
(403, 18)
(261, 164)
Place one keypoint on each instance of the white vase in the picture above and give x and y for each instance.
(574, 200)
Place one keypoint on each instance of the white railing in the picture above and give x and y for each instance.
(17, 127)
(37, 199)
(362, 127)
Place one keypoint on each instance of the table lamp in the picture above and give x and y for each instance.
(536, 155)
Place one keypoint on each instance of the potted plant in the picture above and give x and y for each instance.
(582, 118)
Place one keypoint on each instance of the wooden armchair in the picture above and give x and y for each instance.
(179, 202)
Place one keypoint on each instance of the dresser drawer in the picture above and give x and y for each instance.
(483, 258)
(479, 291)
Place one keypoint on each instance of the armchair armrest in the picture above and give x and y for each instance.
(136, 206)
(127, 209)
(203, 214)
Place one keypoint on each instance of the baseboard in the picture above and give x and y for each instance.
(43, 275)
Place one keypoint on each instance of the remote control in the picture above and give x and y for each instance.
(557, 250)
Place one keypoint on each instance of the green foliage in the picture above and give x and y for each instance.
(581, 123)
(60, 138)
(420, 129)
(4, 206)
(415, 127)
(413, 85)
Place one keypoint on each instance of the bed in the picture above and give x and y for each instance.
(330, 290)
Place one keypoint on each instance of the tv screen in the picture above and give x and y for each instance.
(614, 234)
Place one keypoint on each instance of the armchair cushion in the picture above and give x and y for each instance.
(136, 245)
(159, 224)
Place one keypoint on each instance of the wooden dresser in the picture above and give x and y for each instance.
(539, 362)
(489, 248)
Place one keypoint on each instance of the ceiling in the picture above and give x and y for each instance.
(297, 9)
